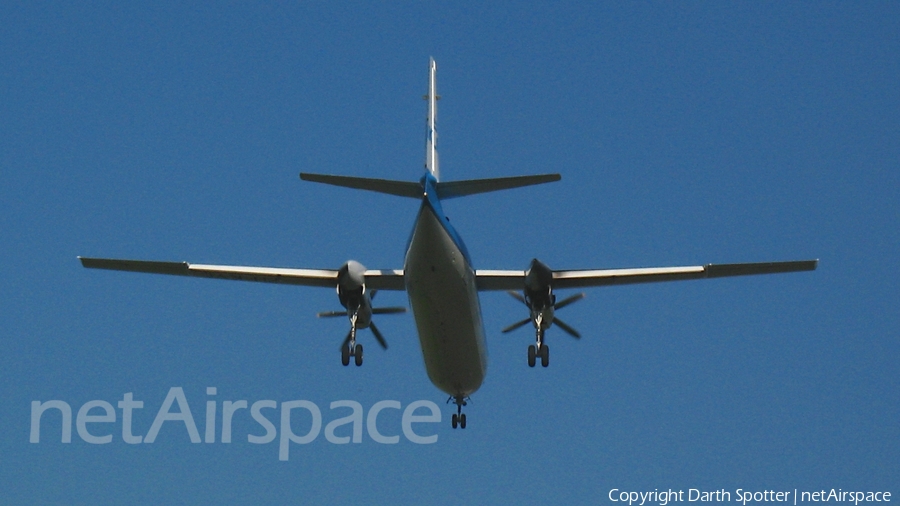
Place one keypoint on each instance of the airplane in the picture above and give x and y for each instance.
(439, 278)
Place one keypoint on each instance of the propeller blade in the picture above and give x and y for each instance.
(516, 325)
(372, 294)
(330, 314)
(518, 296)
(346, 340)
(568, 300)
(378, 335)
(388, 310)
(569, 330)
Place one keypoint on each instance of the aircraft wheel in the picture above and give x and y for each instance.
(345, 355)
(462, 420)
(454, 420)
(531, 354)
(545, 355)
(359, 355)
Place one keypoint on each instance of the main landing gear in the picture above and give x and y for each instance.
(538, 349)
(351, 349)
(458, 418)
(541, 303)
(359, 309)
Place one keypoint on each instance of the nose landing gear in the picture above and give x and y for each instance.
(458, 418)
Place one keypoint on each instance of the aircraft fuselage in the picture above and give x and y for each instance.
(440, 282)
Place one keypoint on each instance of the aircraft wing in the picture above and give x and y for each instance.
(375, 279)
(515, 280)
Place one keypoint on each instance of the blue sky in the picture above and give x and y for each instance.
(685, 133)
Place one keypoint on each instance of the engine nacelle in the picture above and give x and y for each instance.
(351, 290)
(538, 289)
(541, 302)
(539, 293)
(352, 277)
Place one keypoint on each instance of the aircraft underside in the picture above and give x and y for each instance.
(444, 300)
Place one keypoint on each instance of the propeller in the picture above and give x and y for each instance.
(566, 328)
(516, 325)
(378, 310)
(568, 300)
(559, 305)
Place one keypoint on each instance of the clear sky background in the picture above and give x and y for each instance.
(685, 134)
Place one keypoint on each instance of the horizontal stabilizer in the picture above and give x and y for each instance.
(453, 189)
(389, 186)
(445, 190)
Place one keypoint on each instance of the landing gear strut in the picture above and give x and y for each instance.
(351, 349)
(458, 418)
(538, 349)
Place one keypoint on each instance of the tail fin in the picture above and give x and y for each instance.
(446, 190)
(431, 155)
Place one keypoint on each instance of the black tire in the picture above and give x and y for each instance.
(531, 354)
(545, 355)
(359, 355)
(345, 355)
(454, 420)
(462, 421)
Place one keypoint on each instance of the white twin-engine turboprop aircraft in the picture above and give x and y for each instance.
(440, 280)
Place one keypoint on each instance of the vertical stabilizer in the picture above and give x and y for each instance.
(431, 187)
(431, 155)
